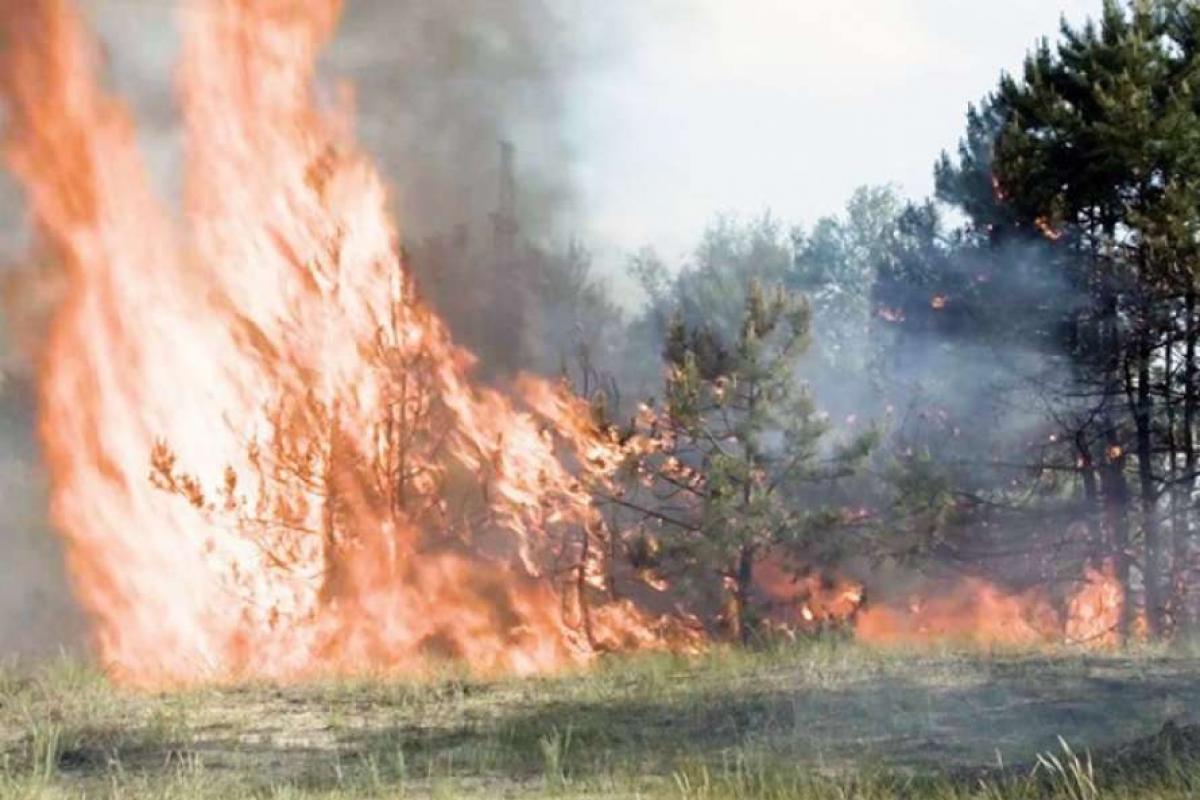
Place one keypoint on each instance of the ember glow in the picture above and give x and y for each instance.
(1047, 229)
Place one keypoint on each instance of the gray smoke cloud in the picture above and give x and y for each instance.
(37, 614)
(441, 83)
(438, 85)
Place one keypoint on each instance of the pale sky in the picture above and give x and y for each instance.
(746, 105)
(683, 109)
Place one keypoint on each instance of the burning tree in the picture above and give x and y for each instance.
(375, 504)
(332, 486)
(309, 482)
(734, 443)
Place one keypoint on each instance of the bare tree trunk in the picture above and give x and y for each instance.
(610, 567)
(745, 567)
(1116, 505)
(1176, 499)
(1091, 494)
(1183, 536)
(743, 585)
(1143, 421)
(1114, 484)
(1087, 470)
(585, 611)
(334, 581)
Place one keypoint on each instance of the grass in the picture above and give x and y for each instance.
(817, 720)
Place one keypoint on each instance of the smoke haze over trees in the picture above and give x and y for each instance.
(1034, 367)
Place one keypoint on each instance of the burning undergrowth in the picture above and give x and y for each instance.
(969, 611)
(327, 489)
(267, 456)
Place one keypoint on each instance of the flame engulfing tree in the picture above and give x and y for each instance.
(311, 485)
(375, 504)
(736, 439)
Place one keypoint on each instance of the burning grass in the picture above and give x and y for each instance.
(806, 720)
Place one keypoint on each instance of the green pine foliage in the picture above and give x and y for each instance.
(740, 434)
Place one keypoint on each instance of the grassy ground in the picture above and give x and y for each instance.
(820, 720)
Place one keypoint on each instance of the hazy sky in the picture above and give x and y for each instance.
(678, 109)
(745, 105)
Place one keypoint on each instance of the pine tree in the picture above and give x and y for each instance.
(736, 437)
(1093, 148)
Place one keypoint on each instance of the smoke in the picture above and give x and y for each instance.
(441, 82)
(437, 86)
(37, 614)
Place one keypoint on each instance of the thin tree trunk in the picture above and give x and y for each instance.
(1116, 504)
(1177, 505)
(1091, 493)
(1183, 538)
(1143, 420)
(1114, 484)
(334, 584)
(745, 568)
(610, 568)
(744, 582)
(585, 611)
(1087, 470)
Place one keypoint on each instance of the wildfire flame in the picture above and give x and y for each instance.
(966, 611)
(266, 456)
(810, 603)
(1048, 230)
(969, 612)
(1094, 611)
(976, 612)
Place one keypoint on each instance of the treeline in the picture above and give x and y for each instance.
(1002, 379)
(1095, 148)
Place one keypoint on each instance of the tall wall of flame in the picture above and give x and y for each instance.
(277, 290)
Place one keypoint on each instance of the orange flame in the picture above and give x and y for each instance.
(965, 611)
(808, 603)
(969, 612)
(974, 611)
(1094, 612)
(267, 457)
(327, 490)
(1048, 230)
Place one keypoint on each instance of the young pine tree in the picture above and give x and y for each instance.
(737, 438)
